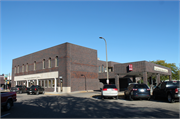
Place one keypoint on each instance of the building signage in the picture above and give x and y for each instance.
(160, 69)
(130, 67)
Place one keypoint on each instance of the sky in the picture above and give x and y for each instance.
(134, 30)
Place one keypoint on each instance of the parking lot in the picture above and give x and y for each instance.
(88, 105)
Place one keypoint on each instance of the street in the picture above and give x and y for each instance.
(88, 105)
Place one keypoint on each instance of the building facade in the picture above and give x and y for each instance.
(63, 68)
(68, 67)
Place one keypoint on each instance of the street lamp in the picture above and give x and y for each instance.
(106, 61)
(85, 80)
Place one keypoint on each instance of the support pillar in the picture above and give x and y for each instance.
(55, 84)
(44, 83)
(170, 78)
(145, 78)
(37, 82)
(51, 84)
(41, 82)
(157, 79)
(117, 82)
(27, 83)
(16, 82)
(134, 79)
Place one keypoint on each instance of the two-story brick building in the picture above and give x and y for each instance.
(68, 67)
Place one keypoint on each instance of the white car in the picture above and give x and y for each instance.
(109, 90)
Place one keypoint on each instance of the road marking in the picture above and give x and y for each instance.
(5, 115)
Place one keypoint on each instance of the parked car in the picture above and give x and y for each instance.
(19, 89)
(7, 100)
(109, 90)
(138, 91)
(35, 89)
(168, 90)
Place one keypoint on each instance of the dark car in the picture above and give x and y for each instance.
(168, 90)
(19, 89)
(138, 91)
(35, 89)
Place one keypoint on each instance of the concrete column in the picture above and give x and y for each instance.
(117, 82)
(51, 83)
(55, 84)
(44, 83)
(37, 82)
(145, 78)
(27, 83)
(41, 82)
(16, 82)
(47, 83)
(170, 78)
(157, 79)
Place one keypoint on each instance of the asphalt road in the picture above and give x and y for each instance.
(88, 105)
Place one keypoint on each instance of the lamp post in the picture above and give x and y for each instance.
(85, 80)
(106, 61)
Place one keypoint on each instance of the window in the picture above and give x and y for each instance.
(105, 69)
(15, 70)
(49, 63)
(99, 69)
(102, 68)
(23, 68)
(43, 63)
(18, 69)
(27, 67)
(56, 61)
(34, 65)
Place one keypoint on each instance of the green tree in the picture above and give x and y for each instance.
(175, 70)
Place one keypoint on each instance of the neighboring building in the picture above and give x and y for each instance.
(2, 82)
(79, 69)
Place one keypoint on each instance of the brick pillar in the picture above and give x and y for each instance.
(157, 79)
(117, 82)
(145, 78)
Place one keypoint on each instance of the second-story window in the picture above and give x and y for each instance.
(102, 68)
(23, 68)
(15, 70)
(34, 65)
(27, 67)
(49, 63)
(43, 64)
(99, 69)
(56, 61)
(18, 69)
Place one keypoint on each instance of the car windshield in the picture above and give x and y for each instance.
(109, 86)
(18, 86)
(140, 86)
(33, 86)
(173, 83)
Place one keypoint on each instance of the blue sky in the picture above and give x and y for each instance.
(134, 30)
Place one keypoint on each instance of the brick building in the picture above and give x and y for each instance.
(68, 67)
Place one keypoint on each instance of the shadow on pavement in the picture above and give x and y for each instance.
(75, 107)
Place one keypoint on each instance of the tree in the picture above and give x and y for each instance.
(175, 70)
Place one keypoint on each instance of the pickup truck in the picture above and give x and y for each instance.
(35, 89)
(7, 100)
(19, 89)
(167, 89)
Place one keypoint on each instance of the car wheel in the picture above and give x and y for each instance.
(37, 93)
(117, 98)
(27, 93)
(102, 97)
(170, 99)
(130, 97)
(125, 96)
(8, 105)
